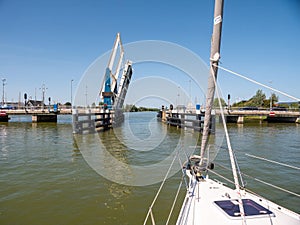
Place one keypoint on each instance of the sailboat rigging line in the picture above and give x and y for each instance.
(240, 173)
(160, 188)
(268, 160)
(219, 175)
(253, 178)
(182, 170)
(256, 82)
(190, 205)
(274, 186)
(265, 159)
(152, 218)
(175, 200)
(231, 156)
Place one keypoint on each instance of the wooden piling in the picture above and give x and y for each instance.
(90, 121)
(188, 121)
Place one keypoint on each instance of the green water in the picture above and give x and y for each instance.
(44, 178)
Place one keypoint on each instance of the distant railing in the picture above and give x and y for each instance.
(259, 111)
(262, 109)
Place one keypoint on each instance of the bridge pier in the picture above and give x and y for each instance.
(233, 119)
(229, 119)
(282, 119)
(48, 117)
(240, 120)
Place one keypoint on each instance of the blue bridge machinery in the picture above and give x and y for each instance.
(112, 95)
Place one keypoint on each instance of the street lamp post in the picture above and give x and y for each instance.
(86, 96)
(72, 94)
(3, 84)
(178, 95)
(271, 97)
(43, 100)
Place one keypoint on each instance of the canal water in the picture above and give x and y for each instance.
(47, 175)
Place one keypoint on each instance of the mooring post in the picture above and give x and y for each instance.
(75, 121)
(91, 122)
(163, 115)
(183, 120)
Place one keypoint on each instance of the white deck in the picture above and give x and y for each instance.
(199, 207)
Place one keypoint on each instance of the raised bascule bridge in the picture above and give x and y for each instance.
(112, 95)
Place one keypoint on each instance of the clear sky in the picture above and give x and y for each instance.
(52, 42)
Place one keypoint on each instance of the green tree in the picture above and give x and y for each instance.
(134, 109)
(284, 105)
(240, 104)
(258, 99)
(295, 105)
(130, 108)
(275, 98)
(216, 103)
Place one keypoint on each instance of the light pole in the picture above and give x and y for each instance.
(190, 90)
(3, 84)
(43, 92)
(178, 95)
(270, 96)
(72, 94)
(86, 95)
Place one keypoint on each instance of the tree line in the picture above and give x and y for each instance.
(258, 100)
(133, 108)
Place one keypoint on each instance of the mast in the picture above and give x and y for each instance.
(214, 61)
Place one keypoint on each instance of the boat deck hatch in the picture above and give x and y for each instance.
(251, 208)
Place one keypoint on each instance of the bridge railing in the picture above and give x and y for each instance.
(262, 109)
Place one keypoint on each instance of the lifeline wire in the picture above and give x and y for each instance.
(272, 161)
(265, 159)
(174, 202)
(253, 178)
(160, 188)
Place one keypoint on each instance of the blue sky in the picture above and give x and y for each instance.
(53, 42)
